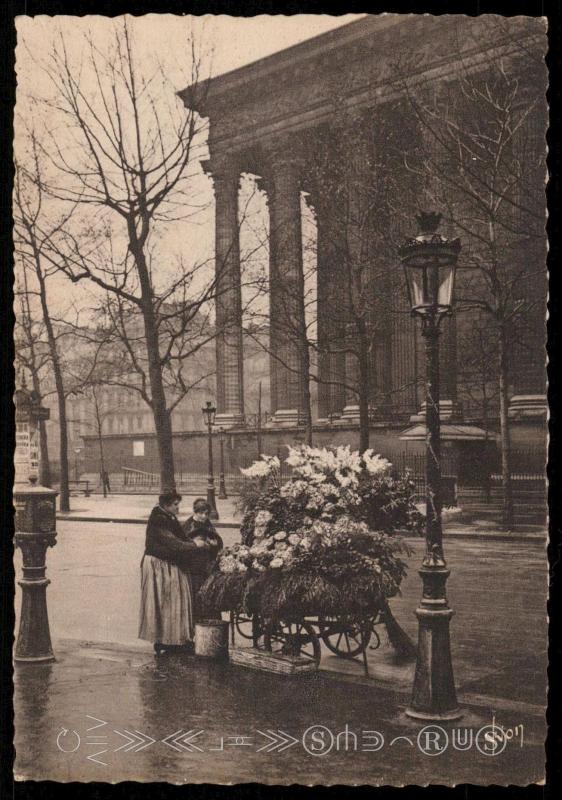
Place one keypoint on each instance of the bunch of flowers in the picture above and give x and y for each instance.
(326, 484)
(321, 568)
(264, 467)
(338, 550)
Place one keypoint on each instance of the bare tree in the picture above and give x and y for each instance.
(34, 235)
(130, 159)
(483, 165)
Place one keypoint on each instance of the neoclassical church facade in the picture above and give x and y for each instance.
(271, 119)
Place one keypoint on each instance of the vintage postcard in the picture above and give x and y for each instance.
(281, 417)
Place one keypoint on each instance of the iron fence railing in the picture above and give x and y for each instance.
(528, 464)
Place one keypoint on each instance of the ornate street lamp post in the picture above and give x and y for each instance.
(209, 412)
(222, 486)
(35, 524)
(430, 263)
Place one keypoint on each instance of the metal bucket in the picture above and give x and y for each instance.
(211, 638)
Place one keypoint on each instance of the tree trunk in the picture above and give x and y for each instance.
(507, 486)
(102, 464)
(162, 418)
(302, 344)
(64, 493)
(100, 445)
(306, 395)
(258, 427)
(364, 393)
(487, 465)
(64, 496)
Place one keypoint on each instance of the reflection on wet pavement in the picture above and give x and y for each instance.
(187, 720)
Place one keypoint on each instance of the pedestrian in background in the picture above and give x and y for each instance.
(105, 482)
(166, 610)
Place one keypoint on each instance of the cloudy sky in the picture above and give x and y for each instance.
(235, 40)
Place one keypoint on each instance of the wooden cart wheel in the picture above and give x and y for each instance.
(345, 636)
(293, 638)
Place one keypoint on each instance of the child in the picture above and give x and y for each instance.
(198, 528)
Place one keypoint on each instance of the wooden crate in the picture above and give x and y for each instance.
(252, 658)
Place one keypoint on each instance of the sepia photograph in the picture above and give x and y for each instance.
(281, 422)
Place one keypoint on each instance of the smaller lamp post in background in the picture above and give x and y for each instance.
(35, 524)
(77, 451)
(222, 486)
(430, 262)
(209, 412)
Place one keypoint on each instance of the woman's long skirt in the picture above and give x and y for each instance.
(166, 609)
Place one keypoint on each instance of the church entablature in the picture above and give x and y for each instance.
(367, 62)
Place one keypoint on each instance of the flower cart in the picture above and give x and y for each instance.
(319, 557)
(344, 635)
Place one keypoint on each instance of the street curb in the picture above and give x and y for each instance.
(453, 534)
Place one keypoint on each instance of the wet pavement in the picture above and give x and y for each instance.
(114, 716)
(497, 589)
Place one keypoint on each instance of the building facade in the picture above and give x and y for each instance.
(270, 119)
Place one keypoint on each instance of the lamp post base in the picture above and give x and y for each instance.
(434, 696)
(34, 639)
(33, 644)
(213, 513)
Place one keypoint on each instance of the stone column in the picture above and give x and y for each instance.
(330, 313)
(230, 376)
(351, 408)
(448, 367)
(356, 213)
(286, 288)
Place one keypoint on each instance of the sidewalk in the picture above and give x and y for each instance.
(110, 714)
(135, 509)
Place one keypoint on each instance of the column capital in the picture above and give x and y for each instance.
(224, 169)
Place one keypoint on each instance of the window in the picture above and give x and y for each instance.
(138, 448)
